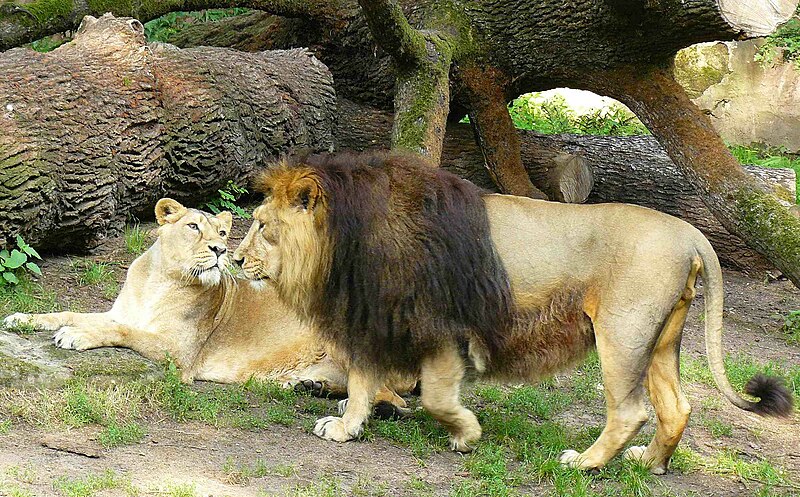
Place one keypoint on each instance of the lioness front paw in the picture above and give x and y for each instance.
(574, 459)
(70, 337)
(333, 428)
(17, 320)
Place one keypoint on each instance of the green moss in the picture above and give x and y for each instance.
(13, 370)
(47, 10)
(763, 218)
(117, 7)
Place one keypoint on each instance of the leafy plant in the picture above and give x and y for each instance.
(784, 42)
(791, 327)
(227, 200)
(554, 116)
(16, 261)
(165, 27)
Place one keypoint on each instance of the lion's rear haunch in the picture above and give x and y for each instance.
(775, 398)
(412, 260)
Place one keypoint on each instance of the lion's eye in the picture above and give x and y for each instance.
(223, 233)
(193, 226)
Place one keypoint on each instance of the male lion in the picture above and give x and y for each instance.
(407, 268)
(179, 298)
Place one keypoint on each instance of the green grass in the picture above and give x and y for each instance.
(93, 273)
(739, 370)
(784, 43)
(88, 485)
(28, 297)
(768, 157)
(717, 427)
(116, 434)
(181, 490)
(136, 239)
(242, 473)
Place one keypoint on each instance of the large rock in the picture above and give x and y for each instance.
(748, 101)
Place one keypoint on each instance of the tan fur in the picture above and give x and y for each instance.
(226, 331)
(620, 276)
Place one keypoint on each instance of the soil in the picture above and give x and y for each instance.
(173, 453)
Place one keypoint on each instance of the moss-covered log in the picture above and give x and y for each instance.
(97, 130)
(632, 169)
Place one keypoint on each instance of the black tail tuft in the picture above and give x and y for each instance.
(387, 410)
(775, 398)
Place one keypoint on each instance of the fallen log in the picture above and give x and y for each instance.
(97, 130)
(631, 169)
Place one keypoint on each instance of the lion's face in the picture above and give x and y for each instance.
(259, 253)
(193, 243)
(286, 244)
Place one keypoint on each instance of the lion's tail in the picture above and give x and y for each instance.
(774, 398)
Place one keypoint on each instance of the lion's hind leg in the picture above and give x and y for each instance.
(441, 377)
(663, 381)
(623, 376)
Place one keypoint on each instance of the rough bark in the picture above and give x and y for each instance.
(624, 169)
(100, 128)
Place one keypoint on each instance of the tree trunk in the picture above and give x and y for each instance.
(624, 169)
(99, 129)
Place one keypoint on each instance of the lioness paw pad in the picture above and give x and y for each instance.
(333, 428)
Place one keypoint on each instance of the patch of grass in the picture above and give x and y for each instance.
(88, 485)
(29, 297)
(121, 434)
(421, 433)
(420, 488)
(92, 273)
(685, 460)
(23, 474)
(768, 157)
(11, 490)
(791, 327)
(181, 490)
(5, 426)
(242, 473)
(739, 370)
(136, 239)
(762, 471)
(717, 427)
(323, 486)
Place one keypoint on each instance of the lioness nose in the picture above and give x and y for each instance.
(217, 249)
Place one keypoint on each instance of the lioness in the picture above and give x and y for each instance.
(179, 298)
(405, 267)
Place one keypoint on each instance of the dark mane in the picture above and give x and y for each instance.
(413, 263)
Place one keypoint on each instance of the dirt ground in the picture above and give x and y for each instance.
(195, 454)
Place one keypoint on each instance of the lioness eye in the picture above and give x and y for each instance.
(223, 233)
(193, 226)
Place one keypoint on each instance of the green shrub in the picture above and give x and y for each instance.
(227, 200)
(17, 261)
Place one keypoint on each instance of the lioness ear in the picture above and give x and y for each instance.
(227, 220)
(307, 194)
(169, 211)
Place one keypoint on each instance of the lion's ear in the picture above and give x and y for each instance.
(169, 211)
(227, 220)
(308, 192)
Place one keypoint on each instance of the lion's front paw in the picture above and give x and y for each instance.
(636, 453)
(333, 428)
(70, 337)
(574, 459)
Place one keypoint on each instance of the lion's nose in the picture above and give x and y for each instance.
(218, 250)
(238, 261)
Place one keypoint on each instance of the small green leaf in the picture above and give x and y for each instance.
(4, 254)
(28, 249)
(16, 259)
(32, 267)
(9, 277)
